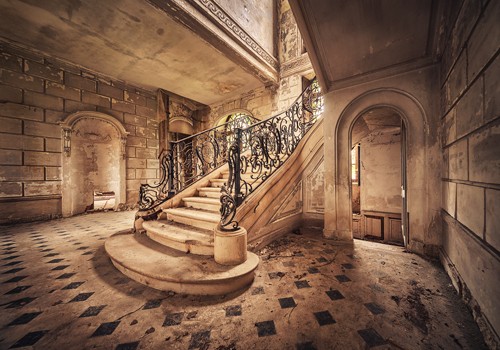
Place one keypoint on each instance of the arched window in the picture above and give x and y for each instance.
(235, 120)
(240, 120)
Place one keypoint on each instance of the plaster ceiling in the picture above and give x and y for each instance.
(351, 39)
(380, 120)
(128, 40)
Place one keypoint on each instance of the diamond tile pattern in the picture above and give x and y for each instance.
(73, 285)
(127, 346)
(199, 340)
(81, 297)
(334, 294)
(24, 318)
(106, 328)
(29, 339)
(298, 300)
(173, 319)
(234, 310)
(17, 290)
(15, 279)
(375, 308)
(371, 337)
(324, 318)
(287, 302)
(152, 304)
(93, 311)
(342, 278)
(265, 328)
(302, 284)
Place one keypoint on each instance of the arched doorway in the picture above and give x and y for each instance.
(93, 163)
(378, 176)
(422, 174)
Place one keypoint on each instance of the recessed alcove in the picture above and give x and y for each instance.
(93, 162)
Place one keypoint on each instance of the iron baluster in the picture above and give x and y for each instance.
(171, 190)
(237, 168)
(267, 145)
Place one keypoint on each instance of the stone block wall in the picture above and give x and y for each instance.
(470, 102)
(36, 93)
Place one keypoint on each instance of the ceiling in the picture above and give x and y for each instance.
(349, 40)
(376, 120)
(128, 40)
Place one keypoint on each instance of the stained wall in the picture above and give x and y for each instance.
(380, 188)
(37, 92)
(470, 109)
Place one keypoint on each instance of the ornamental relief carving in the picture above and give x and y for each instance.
(238, 31)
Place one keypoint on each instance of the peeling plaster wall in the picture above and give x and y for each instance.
(95, 162)
(470, 109)
(36, 93)
(380, 188)
(264, 102)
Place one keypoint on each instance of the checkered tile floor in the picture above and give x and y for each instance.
(58, 290)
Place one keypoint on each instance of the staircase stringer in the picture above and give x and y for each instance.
(257, 212)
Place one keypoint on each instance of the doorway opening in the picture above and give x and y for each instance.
(378, 176)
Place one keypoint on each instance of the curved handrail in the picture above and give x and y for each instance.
(188, 160)
(268, 145)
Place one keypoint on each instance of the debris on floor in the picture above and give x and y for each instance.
(59, 290)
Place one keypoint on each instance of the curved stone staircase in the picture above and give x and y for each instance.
(179, 238)
(175, 252)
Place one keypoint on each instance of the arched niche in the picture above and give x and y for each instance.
(338, 212)
(93, 160)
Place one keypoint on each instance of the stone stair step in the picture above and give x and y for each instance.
(212, 192)
(193, 217)
(205, 203)
(243, 176)
(164, 268)
(217, 182)
(181, 237)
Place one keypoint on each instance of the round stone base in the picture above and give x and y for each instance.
(230, 248)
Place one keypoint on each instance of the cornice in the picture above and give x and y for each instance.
(296, 65)
(231, 26)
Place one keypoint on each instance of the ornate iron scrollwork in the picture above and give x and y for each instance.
(263, 147)
(190, 159)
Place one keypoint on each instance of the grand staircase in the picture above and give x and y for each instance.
(196, 201)
(176, 251)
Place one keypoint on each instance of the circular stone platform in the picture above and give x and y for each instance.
(163, 268)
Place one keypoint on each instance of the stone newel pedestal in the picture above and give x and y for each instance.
(230, 247)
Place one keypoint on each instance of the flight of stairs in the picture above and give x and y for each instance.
(181, 245)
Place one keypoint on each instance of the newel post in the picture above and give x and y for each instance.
(230, 239)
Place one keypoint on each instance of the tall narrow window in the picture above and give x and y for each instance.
(355, 153)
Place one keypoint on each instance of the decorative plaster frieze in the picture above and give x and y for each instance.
(296, 65)
(225, 20)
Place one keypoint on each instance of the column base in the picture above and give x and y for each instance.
(230, 248)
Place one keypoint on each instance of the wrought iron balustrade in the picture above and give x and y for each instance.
(259, 150)
(190, 159)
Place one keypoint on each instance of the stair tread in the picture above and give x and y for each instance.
(179, 232)
(195, 214)
(140, 254)
(209, 189)
(202, 200)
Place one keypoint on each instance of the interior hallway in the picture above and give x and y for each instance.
(59, 290)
